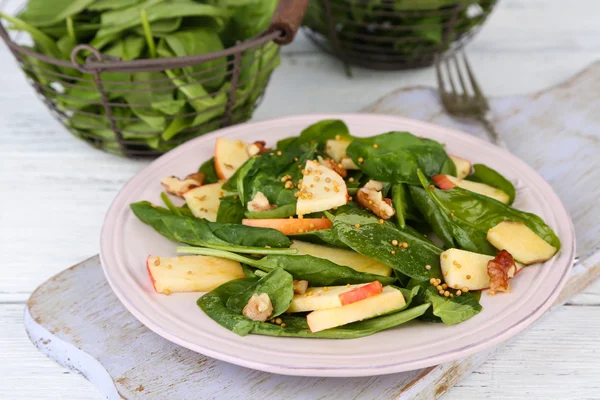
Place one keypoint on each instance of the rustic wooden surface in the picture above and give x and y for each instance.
(55, 191)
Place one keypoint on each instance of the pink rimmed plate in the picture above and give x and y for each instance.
(126, 242)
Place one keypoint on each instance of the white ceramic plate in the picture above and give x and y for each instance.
(126, 242)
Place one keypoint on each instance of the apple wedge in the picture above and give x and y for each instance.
(463, 167)
(463, 268)
(343, 257)
(447, 182)
(390, 299)
(289, 226)
(204, 201)
(521, 242)
(322, 189)
(336, 149)
(191, 273)
(232, 154)
(321, 298)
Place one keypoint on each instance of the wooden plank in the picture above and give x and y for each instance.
(66, 320)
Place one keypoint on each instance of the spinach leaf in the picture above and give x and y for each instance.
(179, 211)
(200, 41)
(200, 232)
(214, 305)
(116, 21)
(278, 284)
(461, 218)
(318, 133)
(372, 239)
(489, 176)
(404, 205)
(285, 211)
(40, 14)
(322, 236)
(317, 271)
(451, 310)
(230, 210)
(395, 157)
(208, 168)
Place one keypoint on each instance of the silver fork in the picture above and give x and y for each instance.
(464, 103)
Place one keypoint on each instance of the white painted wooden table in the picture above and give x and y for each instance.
(55, 191)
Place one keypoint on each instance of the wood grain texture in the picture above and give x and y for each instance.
(48, 221)
(123, 358)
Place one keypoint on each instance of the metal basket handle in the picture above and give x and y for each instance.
(287, 19)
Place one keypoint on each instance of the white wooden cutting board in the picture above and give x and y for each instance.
(76, 320)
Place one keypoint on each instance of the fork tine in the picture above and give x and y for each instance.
(449, 70)
(438, 74)
(473, 81)
(460, 76)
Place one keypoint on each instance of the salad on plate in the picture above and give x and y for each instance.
(327, 235)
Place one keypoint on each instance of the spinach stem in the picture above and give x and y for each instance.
(71, 29)
(148, 33)
(165, 198)
(242, 249)
(219, 253)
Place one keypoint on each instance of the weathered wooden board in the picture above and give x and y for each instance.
(106, 344)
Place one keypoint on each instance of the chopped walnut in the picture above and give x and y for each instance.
(370, 197)
(257, 147)
(259, 307)
(178, 187)
(500, 270)
(300, 287)
(329, 163)
(260, 203)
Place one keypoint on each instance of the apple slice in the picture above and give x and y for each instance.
(322, 189)
(343, 257)
(204, 201)
(361, 293)
(232, 154)
(390, 299)
(321, 298)
(191, 273)
(521, 242)
(463, 268)
(463, 167)
(336, 149)
(289, 226)
(447, 182)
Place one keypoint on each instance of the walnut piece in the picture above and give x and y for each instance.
(178, 187)
(260, 203)
(500, 270)
(259, 307)
(257, 147)
(300, 287)
(370, 197)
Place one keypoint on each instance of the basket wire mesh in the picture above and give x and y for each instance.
(393, 34)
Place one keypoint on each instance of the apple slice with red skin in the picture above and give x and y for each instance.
(361, 293)
(289, 226)
(447, 182)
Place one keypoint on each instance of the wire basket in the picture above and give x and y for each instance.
(145, 107)
(393, 34)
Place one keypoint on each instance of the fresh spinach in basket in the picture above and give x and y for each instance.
(153, 110)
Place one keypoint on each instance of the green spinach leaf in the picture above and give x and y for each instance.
(484, 174)
(278, 284)
(230, 210)
(199, 232)
(317, 271)
(214, 305)
(395, 157)
(208, 168)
